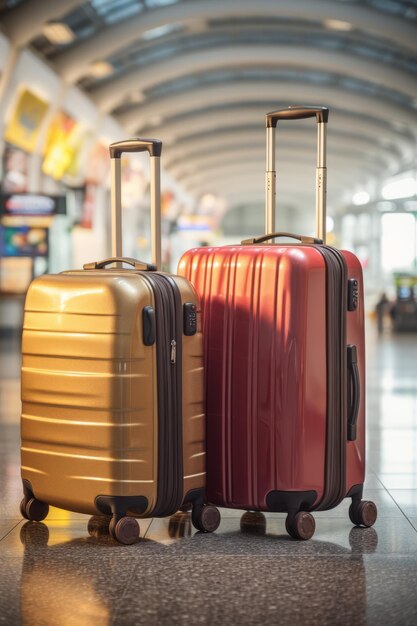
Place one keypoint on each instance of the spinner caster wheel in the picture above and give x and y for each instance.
(364, 513)
(206, 519)
(33, 510)
(253, 522)
(98, 525)
(125, 530)
(301, 526)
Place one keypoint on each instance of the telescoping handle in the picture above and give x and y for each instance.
(154, 148)
(297, 113)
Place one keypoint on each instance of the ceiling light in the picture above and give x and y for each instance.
(400, 188)
(160, 31)
(58, 33)
(361, 197)
(208, 199)
(337, 25)
(100, 69)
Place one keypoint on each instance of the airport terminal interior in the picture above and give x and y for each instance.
(200, 75)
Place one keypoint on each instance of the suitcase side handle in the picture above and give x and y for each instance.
(354, 391)
(136, 264)
(154, 149)
(296, 113)
(263, 238)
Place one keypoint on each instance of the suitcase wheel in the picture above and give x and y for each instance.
(363, 513)
(125, 530)
(206, 519)
(253, 522)
(300, 526)
(98, 525)
(34, 510)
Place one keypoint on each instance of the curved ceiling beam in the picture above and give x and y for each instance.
(294, 184)
(217, 140)
(257, 204)
(233, 185)
(72, 63)
(256, 155)
(257, 196)
(226, 119)
(252, 189)
(298, 178)
(114, 91)
(25, 21)
(248, 143)
(239, 171)
(251, 91)
(286, 196)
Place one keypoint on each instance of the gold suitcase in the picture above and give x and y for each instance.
(113, 420)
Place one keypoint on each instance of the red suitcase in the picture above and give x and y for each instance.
(285, 365)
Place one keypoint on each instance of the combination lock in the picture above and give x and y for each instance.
(353, 294)
(190, 318)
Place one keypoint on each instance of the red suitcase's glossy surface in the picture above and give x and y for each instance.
(264, 322)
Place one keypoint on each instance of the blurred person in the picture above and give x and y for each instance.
(380, 310)
(393, 314)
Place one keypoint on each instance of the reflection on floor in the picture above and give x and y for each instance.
(54, 573)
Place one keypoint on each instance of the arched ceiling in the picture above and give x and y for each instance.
(201, 74)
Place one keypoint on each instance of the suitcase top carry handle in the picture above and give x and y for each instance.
(136, 144)
(263, 238)
(138, 265)
(295, 113)
(154, 148)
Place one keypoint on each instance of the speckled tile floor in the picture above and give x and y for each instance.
(55, 574)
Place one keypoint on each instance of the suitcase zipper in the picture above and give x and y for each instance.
(335, 466)
(173, 351)
(169, 367)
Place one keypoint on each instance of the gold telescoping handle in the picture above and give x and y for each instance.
(154, 148)
(321, 114)
(135, 263)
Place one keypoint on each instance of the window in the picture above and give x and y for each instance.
(398, 244)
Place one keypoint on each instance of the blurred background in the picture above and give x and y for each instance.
(200, 75)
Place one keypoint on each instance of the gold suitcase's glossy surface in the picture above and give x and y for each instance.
(89, 391)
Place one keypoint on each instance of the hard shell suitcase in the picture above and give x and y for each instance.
(113, 419)
(283, 329)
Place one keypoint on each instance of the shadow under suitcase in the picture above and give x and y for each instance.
(78, 581)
